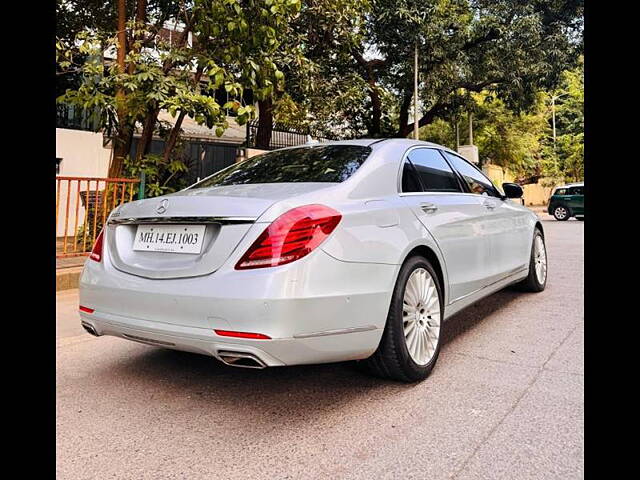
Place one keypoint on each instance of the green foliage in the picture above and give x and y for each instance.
(569, 153)
(509, 138)
(441, 132)
(161, 176)
(233, 47)
(509, 48)
(522, 141)
(148, 86)
(341, 67)
(322, 90)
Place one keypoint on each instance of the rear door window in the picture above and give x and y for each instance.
(434, 172)
(473, 177)
(410, 180)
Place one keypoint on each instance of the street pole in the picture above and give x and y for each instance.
(553, 122)
(415, 93)
(457, 135)
(470, 128)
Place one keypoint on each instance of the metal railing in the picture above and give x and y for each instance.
(283, 135)
(82, 207)
(75, 118)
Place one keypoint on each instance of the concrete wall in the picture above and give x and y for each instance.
(82, 155)
(534, 194)
(497, 174)
(252, 152)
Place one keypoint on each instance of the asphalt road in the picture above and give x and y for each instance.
(505, 401)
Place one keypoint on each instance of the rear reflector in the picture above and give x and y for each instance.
(227, 333)
(291, 236)
(86, 309)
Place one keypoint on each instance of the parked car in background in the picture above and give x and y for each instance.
(567, 201)
(352, 250)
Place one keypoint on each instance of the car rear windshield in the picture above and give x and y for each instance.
(328, 163)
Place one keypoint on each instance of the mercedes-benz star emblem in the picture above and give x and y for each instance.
(162, 207)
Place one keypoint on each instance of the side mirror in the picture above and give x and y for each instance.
(512, 190)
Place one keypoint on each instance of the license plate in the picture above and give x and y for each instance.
(169, 238)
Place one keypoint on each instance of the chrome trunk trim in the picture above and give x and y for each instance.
(180, 220)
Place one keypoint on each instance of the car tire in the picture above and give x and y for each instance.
(561, 213)
(396, 355)
(534, 282)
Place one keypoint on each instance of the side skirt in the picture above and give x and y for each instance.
(472, 298)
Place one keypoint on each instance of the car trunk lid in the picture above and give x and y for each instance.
(227, 213)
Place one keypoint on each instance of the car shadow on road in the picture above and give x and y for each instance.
(478, 313)
(304, 390)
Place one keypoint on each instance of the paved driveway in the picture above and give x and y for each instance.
(505, 401)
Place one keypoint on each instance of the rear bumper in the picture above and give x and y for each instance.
(273, 353)
(316, 310)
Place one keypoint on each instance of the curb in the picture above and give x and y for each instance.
(68, 278)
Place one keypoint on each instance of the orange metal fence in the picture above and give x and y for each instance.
(82, 207)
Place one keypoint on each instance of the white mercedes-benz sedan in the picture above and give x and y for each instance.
(351, 250)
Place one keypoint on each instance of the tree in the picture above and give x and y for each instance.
(507, 47)
(314, 56)
(522, 141)
(232, 46)
(566, 157)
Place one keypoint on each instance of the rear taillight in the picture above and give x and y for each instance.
(96, 251)
(86, 309)
(290, 237)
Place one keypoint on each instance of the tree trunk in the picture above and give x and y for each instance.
(121, 147)
(122, 140)
(369, 67)
(144, 142)
(403, 117)
(265, 123)
(173, 137)
(376, 109)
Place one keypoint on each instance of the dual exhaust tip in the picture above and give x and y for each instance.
(241, 359)
(89, 328)
(233, 359)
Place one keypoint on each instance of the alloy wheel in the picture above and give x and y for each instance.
(421, 316)
(560, 213)
(540, 259)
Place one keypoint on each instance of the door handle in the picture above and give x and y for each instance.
(428, 207)
(489, 205)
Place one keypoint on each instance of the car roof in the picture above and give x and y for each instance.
(577, 184)
(369, 142)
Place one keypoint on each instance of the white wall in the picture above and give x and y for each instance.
(82, 155)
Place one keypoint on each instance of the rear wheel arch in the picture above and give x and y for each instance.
(430, 254)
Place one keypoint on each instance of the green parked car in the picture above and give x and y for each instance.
(567, 201)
